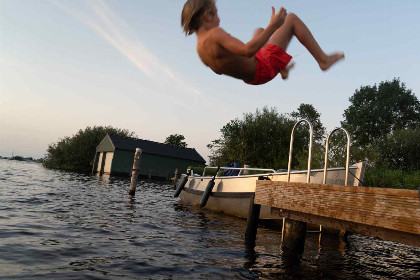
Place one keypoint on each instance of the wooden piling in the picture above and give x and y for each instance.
(252, 221)
(175, 176)
(135, 172)
(293, 235)
(95, 163)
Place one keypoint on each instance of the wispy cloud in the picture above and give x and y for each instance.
(103, 21)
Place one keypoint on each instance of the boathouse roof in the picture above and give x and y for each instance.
(151, 147)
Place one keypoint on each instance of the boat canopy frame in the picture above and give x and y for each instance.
(241, 169)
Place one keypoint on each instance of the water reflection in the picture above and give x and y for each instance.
(250, 254)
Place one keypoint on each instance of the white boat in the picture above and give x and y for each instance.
(231, 194)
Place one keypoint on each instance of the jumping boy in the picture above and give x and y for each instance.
(257, 61)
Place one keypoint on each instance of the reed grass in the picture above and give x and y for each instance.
(386, 178)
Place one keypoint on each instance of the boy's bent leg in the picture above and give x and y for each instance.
(293, 25)
(284, 34)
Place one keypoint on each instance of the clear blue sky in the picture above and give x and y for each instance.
(68, 64)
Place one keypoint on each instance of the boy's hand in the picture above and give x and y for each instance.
(278, 19)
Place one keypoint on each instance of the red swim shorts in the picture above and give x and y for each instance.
(270, 60)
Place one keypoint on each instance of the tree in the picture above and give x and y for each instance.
(337, 152)
(308, 111)
(261, 139)
(376, 111)
(176, 140)
(77, 153)
(401, 150)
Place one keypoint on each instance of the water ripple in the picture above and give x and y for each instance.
(59, 225)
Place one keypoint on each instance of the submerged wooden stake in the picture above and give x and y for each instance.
(293, 235)
(95, 163)
(252, 221)
(175, 176)
(135, 172)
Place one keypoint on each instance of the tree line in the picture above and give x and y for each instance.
(382, 120)
(76, 153)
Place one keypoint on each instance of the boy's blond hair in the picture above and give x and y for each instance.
(192, 12)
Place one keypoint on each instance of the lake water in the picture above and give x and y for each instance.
(59, 225)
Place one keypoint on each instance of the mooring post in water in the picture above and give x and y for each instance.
(293, 235)
(135, 171)
(175, 176)
(252, 220)
(95, 163)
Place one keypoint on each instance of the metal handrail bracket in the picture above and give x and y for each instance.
(347, 156)
(311, 133)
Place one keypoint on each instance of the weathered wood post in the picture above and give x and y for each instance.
(252, 221)
(175, 176)
(135, 171)
(95, 163)
(293, 235)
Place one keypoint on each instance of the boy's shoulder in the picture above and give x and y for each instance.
(217, 32)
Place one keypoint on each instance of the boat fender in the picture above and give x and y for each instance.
(181, 185)
(208, 190)
(206, 194)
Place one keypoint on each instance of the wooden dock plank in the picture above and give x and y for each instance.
(387, 213)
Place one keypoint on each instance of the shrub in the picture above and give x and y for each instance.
(386, 178)
(77, 153)
(260, 139)
(401, 150)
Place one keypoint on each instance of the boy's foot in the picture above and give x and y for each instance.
(330, 60)
(285, 72)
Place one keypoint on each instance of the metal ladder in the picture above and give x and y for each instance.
(308, 178)
(327, 142)
(308, 175)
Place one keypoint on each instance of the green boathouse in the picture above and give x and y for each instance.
(115, 156)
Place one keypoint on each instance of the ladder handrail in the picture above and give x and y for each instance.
(347, 156)
(311, 133)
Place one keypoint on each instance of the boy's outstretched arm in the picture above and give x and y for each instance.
(251, 48)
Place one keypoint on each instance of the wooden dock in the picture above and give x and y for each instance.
(390, 214)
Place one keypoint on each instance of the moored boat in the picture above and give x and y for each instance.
(231, 194)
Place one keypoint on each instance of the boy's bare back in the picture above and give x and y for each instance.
(219, 59)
